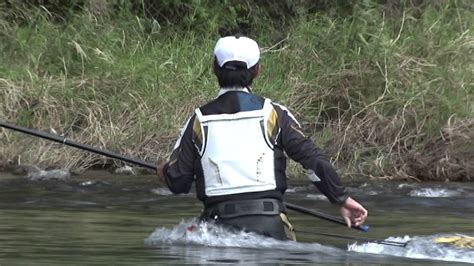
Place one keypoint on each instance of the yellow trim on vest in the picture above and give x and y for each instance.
(197, 129)
(271, 123)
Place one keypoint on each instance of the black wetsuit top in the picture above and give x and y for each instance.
(184, 166)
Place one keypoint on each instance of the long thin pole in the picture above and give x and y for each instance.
(68, 142)
(327, 217)
(149, 165)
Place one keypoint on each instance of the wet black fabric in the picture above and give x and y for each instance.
(261, 216)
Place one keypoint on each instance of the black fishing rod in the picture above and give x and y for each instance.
(363, 239)
(152, 166)
(68, 142)
(327, 217)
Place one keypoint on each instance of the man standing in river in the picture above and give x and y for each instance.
(234, 149)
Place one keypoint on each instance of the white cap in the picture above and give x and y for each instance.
(233, 48)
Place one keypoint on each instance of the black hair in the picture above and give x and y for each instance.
(235, 74)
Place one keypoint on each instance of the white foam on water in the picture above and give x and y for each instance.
(406, 185)
(207, 234)
(418, 247)
(317, 197)
(296, 189)
(161, 191)
(192, 233)
(55, 174)
(433, 193)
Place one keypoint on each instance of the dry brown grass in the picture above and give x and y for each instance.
(119, 129)
(449, 156)
(397, 148)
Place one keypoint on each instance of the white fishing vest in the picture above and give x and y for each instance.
(237, 155)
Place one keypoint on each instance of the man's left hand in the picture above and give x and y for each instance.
(353, 213)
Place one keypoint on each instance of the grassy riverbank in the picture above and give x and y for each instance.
(387, 92)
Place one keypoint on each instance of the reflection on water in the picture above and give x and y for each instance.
(118, 220)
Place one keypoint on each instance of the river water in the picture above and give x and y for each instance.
(97, 218)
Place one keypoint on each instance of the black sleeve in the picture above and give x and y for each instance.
(179, 171)
(302, 150)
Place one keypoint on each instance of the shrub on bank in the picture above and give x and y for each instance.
(384, 88)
